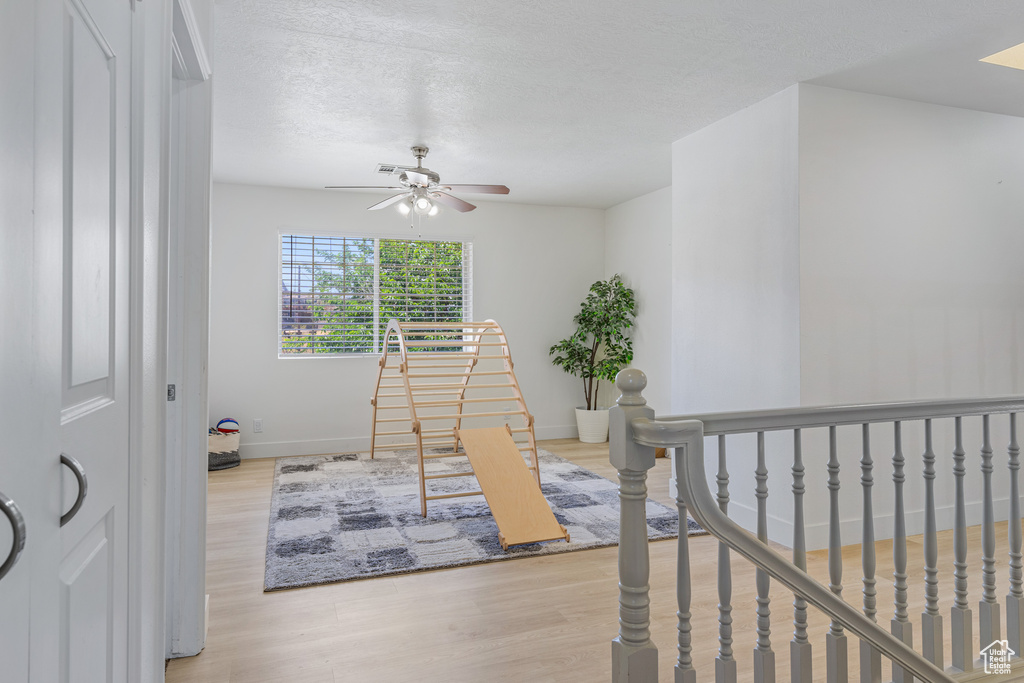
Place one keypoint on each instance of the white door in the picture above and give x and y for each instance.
(64, 230)
(95, 414)
(24, 474)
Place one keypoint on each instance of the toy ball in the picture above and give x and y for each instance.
(228, 426)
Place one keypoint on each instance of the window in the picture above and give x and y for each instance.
(338, 292)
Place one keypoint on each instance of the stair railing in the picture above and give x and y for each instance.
(634, 435)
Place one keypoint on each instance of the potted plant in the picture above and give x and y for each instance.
(598, 349)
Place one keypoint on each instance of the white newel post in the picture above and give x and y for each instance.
(634, 656)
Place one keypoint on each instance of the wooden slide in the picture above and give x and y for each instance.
(519, 508)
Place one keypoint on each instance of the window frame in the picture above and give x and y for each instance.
(467, 284)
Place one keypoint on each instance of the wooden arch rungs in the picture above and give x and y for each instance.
(441, 325)
(457, 385)
(436, 456)
(460, 343)
(455, 495)
(460, 416)
(448, 355)
(448, 475)
(488, 373)
(445, 404)
(433, 367)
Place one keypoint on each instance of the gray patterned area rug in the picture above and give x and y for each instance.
(342, 517)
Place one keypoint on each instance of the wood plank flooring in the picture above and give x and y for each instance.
(537, 620)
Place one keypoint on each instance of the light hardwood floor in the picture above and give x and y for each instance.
(536, 620)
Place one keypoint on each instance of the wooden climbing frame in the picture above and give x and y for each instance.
(437, 378)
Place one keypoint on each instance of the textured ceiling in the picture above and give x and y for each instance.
(572, 103)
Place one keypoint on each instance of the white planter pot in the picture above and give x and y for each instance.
(592, 425)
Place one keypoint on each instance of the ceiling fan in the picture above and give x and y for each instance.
(421, 188)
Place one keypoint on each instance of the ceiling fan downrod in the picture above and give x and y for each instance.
(420, 153)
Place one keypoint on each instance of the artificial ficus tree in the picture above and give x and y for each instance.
(599, 347)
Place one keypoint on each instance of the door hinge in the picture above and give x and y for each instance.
(170, 392)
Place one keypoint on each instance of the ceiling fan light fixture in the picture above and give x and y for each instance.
(433, 210)
(403, 208)
(422, 205)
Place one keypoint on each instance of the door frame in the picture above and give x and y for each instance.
(153, 468)
(152, 24)
(188, 332)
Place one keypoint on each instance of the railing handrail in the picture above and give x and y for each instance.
(687, 437)
(776, 419)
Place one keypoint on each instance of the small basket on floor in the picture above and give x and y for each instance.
(223, 451)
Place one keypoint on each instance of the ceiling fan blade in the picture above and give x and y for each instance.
(453, 202)
(417, 178)
(389, 201)
(361, 187)
(482, 189)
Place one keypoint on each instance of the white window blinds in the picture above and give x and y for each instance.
(338, 292)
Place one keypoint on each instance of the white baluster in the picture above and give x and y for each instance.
(836, 663)
(931, 620)
(1015, 600)
(870, 658)
(725, 664)
(960, 613)
(901, 626)
(800, 647)
(764, 657)
(634, 656)
(988, 607)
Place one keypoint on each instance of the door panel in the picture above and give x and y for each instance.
(87, 601)
(91, 148)
(95, 411)
(92, 88)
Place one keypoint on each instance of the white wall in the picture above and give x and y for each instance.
(532, 267)
(834, 247)
(911, 280)
(735, 262)
(735, 274)
(638, 246)
(911, 248)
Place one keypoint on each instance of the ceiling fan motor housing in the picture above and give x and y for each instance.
(433, 177)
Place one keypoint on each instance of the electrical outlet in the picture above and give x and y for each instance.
(257, 425)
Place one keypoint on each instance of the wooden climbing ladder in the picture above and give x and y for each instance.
(434, 379)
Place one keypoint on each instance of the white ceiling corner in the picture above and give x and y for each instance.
(570, 103)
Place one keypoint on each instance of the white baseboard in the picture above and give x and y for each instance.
(358, 444)
(280, 449)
